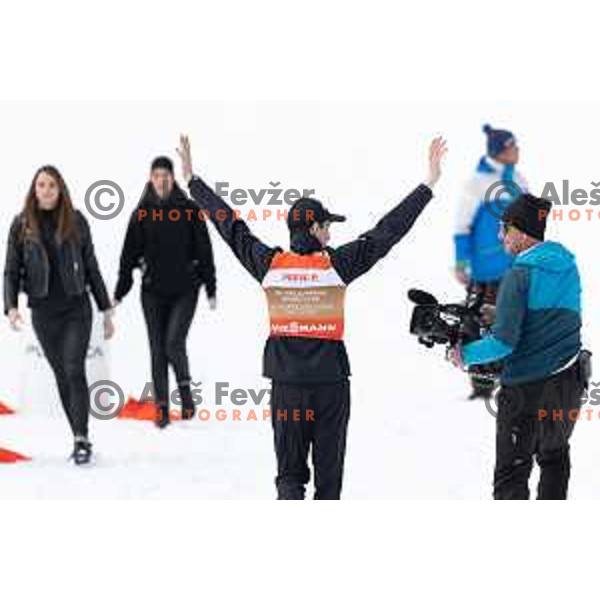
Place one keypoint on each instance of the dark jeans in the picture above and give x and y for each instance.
(536, 419)
(324, 411)
(168, 320)
(64, 337)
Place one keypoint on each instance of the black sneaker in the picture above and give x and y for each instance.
(188, 411)
(82, 452)
(162, 417)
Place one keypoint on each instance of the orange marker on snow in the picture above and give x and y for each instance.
(8, 456)
(6, 410)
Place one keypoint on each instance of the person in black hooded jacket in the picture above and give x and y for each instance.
(305, 355)
(168, 240)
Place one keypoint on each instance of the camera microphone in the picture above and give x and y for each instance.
(420, 297)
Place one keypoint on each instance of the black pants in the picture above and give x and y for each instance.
(536, 419)
(305, 416)
(64, 338)
(168, 320)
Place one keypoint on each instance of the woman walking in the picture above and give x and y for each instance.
(170, 243)
(50, 256)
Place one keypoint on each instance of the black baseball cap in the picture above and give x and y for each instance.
(306, 211)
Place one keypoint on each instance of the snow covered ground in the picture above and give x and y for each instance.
(415, 440)
(412, 433)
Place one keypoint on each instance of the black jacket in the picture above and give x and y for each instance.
(296, 359)
(175, 255)
(27, 267)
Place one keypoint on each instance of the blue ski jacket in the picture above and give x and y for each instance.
(477, 247)
(537, 330)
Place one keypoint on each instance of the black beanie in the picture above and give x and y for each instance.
(162, 162)
(528, 214)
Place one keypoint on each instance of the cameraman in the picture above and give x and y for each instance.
(537, 336)
(480, 259)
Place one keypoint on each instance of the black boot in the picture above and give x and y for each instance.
(482, 388)
(188, 408)
(483, 393)
(82, 451)
(162, 417)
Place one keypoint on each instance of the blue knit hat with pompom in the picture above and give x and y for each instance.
(497, 140)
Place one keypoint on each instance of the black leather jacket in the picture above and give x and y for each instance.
(27, 267)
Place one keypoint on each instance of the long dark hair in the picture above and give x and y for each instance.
(66, 213)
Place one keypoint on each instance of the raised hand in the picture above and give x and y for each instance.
(437, 151)
(185, 154)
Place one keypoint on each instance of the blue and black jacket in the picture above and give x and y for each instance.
(537, 330)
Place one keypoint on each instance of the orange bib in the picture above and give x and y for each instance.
(305, 296)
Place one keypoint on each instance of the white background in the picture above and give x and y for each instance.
(421, 58)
